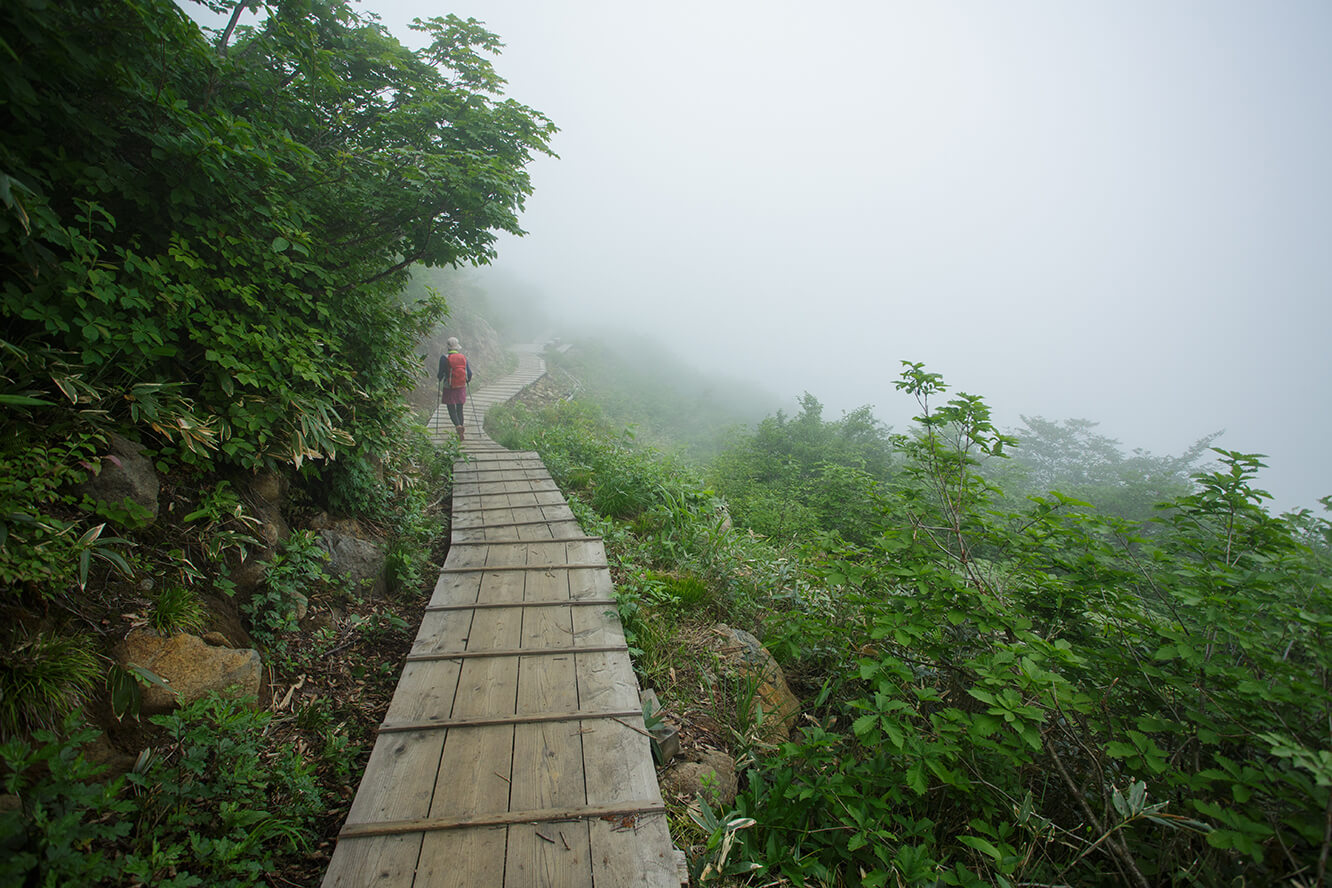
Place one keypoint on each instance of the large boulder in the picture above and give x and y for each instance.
(359, 560)
(192, 667)
(712, 774)
(743, 656)
(126, 475)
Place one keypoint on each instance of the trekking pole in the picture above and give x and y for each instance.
(476, 422)
(439, 401)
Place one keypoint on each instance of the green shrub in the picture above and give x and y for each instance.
(67, 827)
(215, 793)
(175, 608)
(43, 676)
(1043, 698)
(212, 808)
(298, 570)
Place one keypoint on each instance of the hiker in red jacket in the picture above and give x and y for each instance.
(455, 371)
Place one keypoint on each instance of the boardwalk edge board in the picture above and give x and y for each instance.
(581, 565)
(518, 652)
(475, 509)
(483, 605)
(459, 527)
(542, 542)
(454, 723)
(628, 810)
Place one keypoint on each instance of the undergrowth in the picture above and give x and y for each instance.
(1040, 695)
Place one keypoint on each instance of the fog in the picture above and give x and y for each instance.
(1120, 211)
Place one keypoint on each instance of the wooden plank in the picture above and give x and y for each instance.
(617, 758)
(467, 858)
(503, 499)
(637, 856)
(382, 861)
(469, 472)
(547, 756)
(632, 851)
(474, 772)
(530, 522)
(445, 632)
(397, 785)
(483, 487)
(456, 589)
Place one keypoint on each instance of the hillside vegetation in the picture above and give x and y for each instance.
(1120, 682)
(204, 352)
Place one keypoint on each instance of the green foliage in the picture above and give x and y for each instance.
(353, 486)
(584, 454)
(217, 794)
(66, 821)
(1017, 686)
(41, 540)
(1072, 458)
(175, 608)
(671, 400)
(1011, 690)
(44, 676)
(213, 808)
(212, 258)
(797, 476)
(716, 861)
(298, 570)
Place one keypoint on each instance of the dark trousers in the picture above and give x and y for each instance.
(455, 413)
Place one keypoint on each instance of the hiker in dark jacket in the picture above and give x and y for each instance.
(455, 371)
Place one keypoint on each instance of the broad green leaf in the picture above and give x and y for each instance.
(982, 845)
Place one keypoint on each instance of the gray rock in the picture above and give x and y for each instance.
(321, 620)
(742, 655)
(126, 474)
(358, 560)
(300, 606)
(714, 769)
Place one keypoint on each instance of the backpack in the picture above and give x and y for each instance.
(457, 377)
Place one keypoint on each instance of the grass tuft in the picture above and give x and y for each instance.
(176, 608)
(44, 676)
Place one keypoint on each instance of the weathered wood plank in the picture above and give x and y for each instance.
(547, 760)
(397, 785)
(381, 861)
(474, 568)
(640, 856)
(474, 773)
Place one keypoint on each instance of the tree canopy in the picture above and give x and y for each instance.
(207, 239)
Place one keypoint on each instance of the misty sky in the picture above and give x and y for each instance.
(1119, 210)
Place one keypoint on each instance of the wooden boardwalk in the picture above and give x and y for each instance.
(514, 752)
